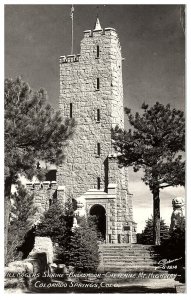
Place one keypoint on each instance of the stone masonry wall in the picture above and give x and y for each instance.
(45, 193)
(78, 85)
(90, 83)
(124, 207)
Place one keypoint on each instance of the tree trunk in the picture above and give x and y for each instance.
(7, 205)
(156, 216)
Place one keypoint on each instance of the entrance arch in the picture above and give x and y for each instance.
(99, 211)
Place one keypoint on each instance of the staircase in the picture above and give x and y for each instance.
(126, 257)
(134, 269)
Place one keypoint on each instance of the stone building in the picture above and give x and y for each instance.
(91, 91)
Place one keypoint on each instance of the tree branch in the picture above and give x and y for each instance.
(164, 186)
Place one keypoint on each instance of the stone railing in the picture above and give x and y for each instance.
(42, 185)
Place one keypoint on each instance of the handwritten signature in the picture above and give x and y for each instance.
(164, 264)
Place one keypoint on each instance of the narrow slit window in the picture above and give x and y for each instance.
(98, 149)
(50, 202)
(98, 115)
(98, 183)
(97, 51)
(70, 110)
(98, 83)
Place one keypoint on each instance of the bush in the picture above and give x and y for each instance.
(22, 212)
(146, 237)
(174, 247)
(82, 249)
(56, 223)
(78, 247)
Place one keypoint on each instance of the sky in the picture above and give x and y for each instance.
(152, 43)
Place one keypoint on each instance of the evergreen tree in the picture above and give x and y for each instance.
(76, 247)
(82, 249)
(22, 212)
(33, 132)
(146, 237)
(176, 242)
(154, 143)
(174, 250)
(57, 223)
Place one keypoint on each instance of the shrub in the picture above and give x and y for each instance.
(22, 211)
(174, 249)
(56, 223)
(78, 247)
(82, 249)
(146, 237)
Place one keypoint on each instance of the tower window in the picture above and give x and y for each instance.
(98, 115)
(50, 202)
(98, 183)
(97, 83)
(98, 149)
(97, 51)
(70, 110)
(51, 175)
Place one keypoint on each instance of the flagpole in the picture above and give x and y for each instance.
(72, 11)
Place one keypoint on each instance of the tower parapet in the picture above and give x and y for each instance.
(95, 33)
(69, 58)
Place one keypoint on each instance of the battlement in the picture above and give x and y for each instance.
(45, 185)
(98, 32)
(69, 58)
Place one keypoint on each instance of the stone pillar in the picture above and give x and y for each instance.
(61, 195)
(112, 168)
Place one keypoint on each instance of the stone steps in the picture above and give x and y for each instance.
(126, 248)
(132, 253)
(127, 260)
(123, 257)
(114, 268)
(129, 254)
(130, 263)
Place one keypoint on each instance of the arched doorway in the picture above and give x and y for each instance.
(99, 211)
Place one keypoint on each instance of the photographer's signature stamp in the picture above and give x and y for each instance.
(165, 264)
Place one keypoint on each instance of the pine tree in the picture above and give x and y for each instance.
(75, 247)
(33, 132)
(54, 223)
(154, 143)
(146, 236)
(82, 249)
(22, 212)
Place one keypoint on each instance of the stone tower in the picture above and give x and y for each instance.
(91, 91)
